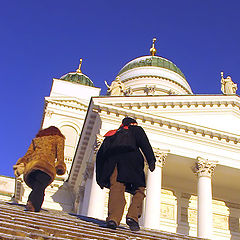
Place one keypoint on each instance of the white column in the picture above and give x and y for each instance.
(96, 200)
(94, 196)
(152, 213)
(97, 195)
(204, 170)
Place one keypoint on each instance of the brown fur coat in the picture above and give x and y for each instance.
(42, 155)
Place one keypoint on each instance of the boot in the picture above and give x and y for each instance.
(133, 225)
(29, 207)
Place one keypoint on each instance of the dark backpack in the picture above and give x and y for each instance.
(122, 141)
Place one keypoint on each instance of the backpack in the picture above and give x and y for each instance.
(122, 141)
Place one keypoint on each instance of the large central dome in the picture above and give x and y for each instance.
(153, 75)
(151, 61)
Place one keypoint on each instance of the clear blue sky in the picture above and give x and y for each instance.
(41, 40)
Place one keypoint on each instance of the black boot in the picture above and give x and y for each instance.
(134, 226)
(111, 224)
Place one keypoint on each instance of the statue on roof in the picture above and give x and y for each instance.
(117, 88)
(227, 85)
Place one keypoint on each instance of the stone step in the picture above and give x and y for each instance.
(50, 224)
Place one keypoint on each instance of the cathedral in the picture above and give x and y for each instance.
(194, 189)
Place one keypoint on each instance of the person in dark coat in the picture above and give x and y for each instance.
(122, 170)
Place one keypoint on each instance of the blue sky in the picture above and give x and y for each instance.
(41, 40)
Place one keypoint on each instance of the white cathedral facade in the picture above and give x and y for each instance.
(194, 189)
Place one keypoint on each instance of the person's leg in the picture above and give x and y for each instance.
(36, 197)
(116, 201)
(135, 209)
(32, 181)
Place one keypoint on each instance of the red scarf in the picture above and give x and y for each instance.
(112, 132)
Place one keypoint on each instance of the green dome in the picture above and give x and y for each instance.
(155, 61)
(77, 77)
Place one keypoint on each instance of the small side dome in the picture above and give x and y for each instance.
(78, 77)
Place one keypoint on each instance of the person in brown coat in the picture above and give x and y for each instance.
(42, 161)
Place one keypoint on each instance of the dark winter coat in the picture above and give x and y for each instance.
(130, 164)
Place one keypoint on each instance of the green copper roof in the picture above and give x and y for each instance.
(77, 78)
(155, 61)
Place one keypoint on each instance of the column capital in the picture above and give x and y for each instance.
(161, 156)
(204, 168)
(98, 142)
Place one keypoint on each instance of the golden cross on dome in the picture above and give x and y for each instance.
(153, 49)
(79, 67)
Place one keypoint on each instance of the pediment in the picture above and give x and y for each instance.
(68, 102)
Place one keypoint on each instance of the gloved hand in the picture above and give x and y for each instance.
(18, 169)
(152, 167)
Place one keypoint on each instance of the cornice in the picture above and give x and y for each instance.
(85, 137)
(172, 101)
(72, 103)
(173, 125)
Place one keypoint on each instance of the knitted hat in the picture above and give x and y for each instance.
(127, 120)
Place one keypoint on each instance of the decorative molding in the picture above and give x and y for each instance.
(80, 151)
(48, 113)
(98, 142)
(161, 156)
(89, 171)
(178, 125)
(68, 102)
(192, 216)
(129, 91)
(79, 194)
(167, 211)
(150, 90)
(68, 160)
(161, 78)
(221, 221)
(204, 167)
(175, 101)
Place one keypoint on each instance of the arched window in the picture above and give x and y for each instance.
(71, 139)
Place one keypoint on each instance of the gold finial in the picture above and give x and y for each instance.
(153, 49)
(79, 67)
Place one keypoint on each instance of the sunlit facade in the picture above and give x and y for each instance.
(194, 189)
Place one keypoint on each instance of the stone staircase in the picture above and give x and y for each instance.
(15, 223)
